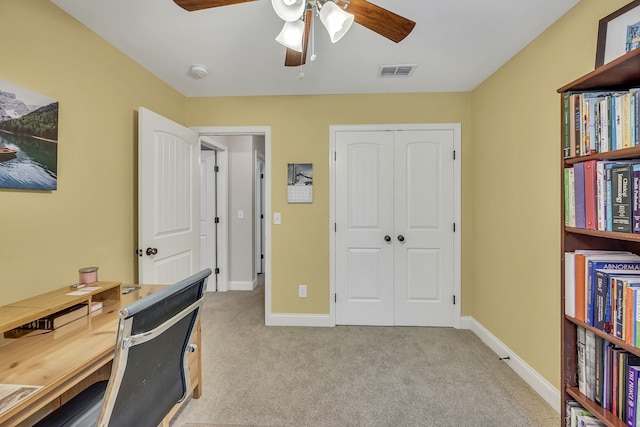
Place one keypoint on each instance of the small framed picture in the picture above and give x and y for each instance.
(300, 183)
(618, 33)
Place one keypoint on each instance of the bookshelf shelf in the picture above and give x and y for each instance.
(605, 416)
(620, 74)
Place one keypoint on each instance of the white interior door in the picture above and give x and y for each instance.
(394, 240)
(364, 216)
(423, 216)
(208, 215)
(168, 199)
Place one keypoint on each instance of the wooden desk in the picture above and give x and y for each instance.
(70, 358)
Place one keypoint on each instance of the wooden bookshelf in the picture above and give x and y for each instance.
(622, 73)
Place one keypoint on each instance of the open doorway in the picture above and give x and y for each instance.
(244, 206)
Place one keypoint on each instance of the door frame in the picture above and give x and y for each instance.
(212, 132)
(457, 238)
(222, 197)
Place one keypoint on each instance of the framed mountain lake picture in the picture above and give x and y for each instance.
(28, 139)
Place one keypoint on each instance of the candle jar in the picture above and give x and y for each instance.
(88, 275)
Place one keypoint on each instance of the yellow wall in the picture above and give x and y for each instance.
(300, 134)
(91, 218)
(510, 170)
(516, 187)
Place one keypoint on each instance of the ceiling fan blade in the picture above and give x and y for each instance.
(293, 58)
(193, 5)
(380, 20)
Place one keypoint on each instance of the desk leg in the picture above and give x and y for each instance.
(197, 391)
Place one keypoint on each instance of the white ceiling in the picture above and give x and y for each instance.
(456, 44)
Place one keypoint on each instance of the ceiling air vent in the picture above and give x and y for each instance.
(396, 70)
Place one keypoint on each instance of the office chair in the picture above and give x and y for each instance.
(150, 373)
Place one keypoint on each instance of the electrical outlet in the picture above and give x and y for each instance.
(302, 291)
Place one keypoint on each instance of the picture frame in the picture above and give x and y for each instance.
(300, 183)
(613, 31)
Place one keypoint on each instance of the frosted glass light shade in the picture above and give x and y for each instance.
(335, 20)
(291, 35)
(289, 10)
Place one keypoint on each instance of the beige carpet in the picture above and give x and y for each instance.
(255, 375)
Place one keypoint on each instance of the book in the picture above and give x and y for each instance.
(590, 364)
(581, 350)
(635, 184)
(601, 192)
(570, 284)
(621, 197)
(632, 394)
(590, 195)
(579, 195)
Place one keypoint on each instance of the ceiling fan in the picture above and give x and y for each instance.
(382, 21)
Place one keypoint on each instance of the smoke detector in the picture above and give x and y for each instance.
(198, 71)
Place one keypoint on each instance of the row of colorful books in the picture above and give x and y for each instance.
(608, 375)
(577, 416)
(603, 195)
(602, 289)
(600, 121)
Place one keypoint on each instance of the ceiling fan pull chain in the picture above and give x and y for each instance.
(313, 35)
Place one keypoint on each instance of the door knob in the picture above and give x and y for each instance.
(152, 251)
(387, 238)
(400, 238)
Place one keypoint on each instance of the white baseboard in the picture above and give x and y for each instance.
(548, 392)
(314, 320)
(243, 286)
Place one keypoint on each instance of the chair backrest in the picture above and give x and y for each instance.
(150, 372)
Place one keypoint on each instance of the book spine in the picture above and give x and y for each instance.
(621, 203)
(590, 377)
(601, 199)
(632, 395)
(619, 297)
(626, 120)
(566, 119)
(578, 170)
(601, 290)
(635, 170)
(569, 284)
(608, 207)
(581, 347)
(590, 198)
(605, 144)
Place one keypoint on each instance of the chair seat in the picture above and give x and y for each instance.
(81, 411)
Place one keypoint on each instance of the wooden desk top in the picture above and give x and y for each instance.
(74, 351)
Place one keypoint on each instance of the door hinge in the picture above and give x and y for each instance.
(454, 154)
(261, 216)
(454, 227)
(216, 168)
(216, 220)
(335, 297)
(261, 176)
(335, 156)
(335, 227)
(216, 271)
(261, 256)
(454, 300)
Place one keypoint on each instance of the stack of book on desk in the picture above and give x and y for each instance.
(60, 318)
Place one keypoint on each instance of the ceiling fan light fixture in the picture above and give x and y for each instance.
(335, 20)
(291, 35)
(289, 10)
